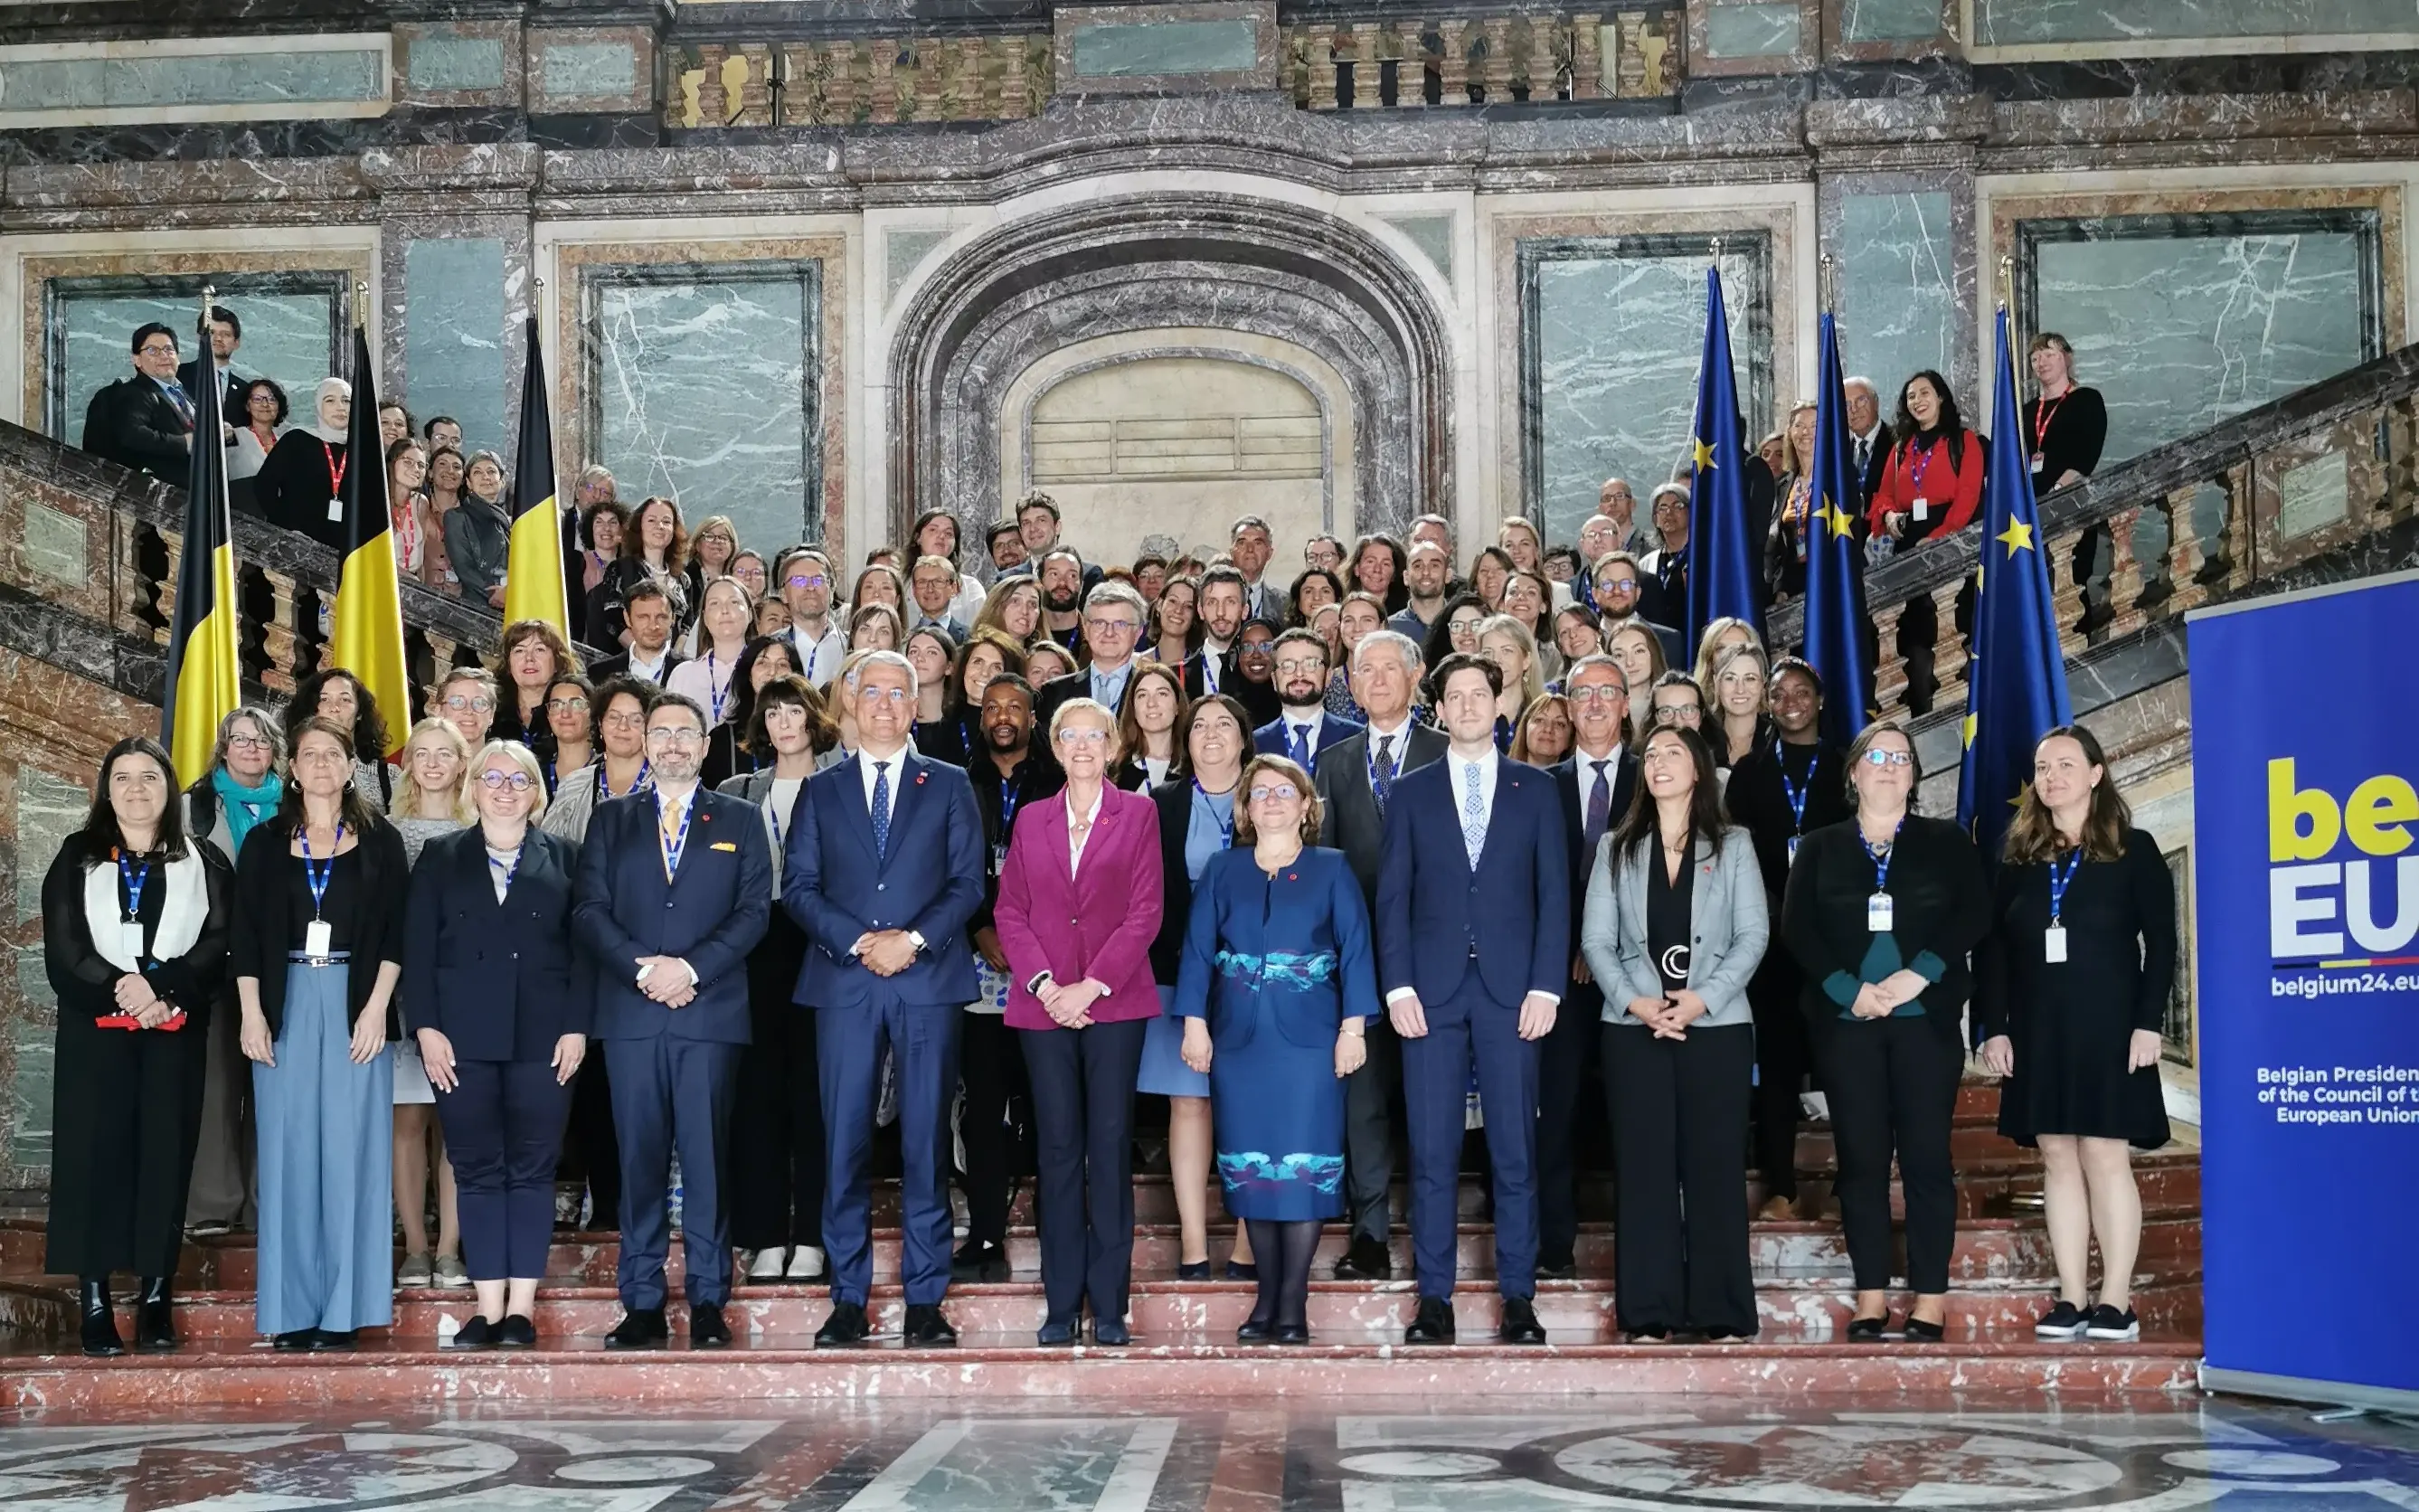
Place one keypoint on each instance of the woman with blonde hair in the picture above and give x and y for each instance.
(1013, 608)
(1720, 638)
(1793, 521)
(434, 802)
(1506, 642)
(1735, 721)
(1639, 651)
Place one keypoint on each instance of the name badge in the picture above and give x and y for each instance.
(1877, 913)
(335, 511)
(2054, 944)
(1922, 510)
(2037, 461)
(319, 939)
(130, 937)
(1793, 850)
(998, 859)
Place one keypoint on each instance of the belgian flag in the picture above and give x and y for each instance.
(534, 569)
(205, 679)
(369, 602)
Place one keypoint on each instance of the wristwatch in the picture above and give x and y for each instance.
(917, 940)
(1041, 978)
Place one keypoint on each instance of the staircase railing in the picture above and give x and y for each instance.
(2237, 510)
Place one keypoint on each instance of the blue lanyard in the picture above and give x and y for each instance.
(136, 882)
(510, 872)
(1226, 825)
(2059, 878)
(678, 840)
(1208, 677)
(1798, 795)
(1881, 860)
(312, 873)
(604, 783)
(1008, 800)
(719, 695)
(814, 654)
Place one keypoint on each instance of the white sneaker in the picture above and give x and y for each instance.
(417, 1270)
(767, 1265)
(805, 1263)
(450, 1272)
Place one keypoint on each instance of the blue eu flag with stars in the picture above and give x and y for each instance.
(1723, 574)
(2015, 689)
(1835, 588)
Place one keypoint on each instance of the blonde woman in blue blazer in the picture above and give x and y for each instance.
(1674, 927)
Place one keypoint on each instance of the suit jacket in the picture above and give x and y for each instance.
(1174, 801)
(930, 881)
(1435, 913)
(608, 667)
(189, 373)
(1269, 738)
(502, 980)
(1348, 809)
(1728, 928)
(710, 914)
(1097, 921)
(133, 422)
(1196, 683)
(1875, 465)
(1566, 780)
(1047, 701)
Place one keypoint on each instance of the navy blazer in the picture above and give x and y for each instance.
(1269, 738)
(711, 915)
(502, 980)
(1566, 780)
(931, 881)
(1510, 919)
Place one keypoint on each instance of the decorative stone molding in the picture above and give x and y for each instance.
(1428, 61)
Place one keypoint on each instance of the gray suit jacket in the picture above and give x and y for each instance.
(1727, 925)
(1349, 819)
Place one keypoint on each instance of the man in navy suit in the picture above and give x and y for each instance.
(1302, 727)
(1114, 615)
(1496, 872)
(883, 868)
(675, 887)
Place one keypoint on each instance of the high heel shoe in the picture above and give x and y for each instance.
(1868, 1329)
(99, 1321)
(155, 1322)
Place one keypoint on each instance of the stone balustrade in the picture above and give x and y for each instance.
(879, 81)
(2315, 487)
(1398, 62)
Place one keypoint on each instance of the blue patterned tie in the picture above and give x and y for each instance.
(882, 811)
(1298, 745)
(1599, 807)
(1381, 780)
(1474, 814)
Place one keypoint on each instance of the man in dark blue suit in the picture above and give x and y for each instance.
(883, 868)
(675, 887)
(1495, 871)
(1302, 727)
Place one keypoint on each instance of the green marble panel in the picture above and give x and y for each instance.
(1897, 288)
(25, 1102)
(287, 333)
(49, 809)
(440, 63)
(586, 71)
(258, 78)
(1751, 30)
(1118, 50)
(1890, 21)
(2022, 22)
(453, 336)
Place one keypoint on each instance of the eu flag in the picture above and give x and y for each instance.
(1835, 589)
(1722, 576)
(2016, 689)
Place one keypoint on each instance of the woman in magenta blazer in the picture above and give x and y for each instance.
(1079, 905)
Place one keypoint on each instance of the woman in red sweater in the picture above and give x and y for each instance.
(1932, 484)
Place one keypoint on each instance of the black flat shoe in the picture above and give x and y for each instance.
(1433, 1324)
(1560, 1268)
(2062, 1323)
(641, 1328)
(1520, 1325)
(155, 1322)
(516, 1332)
(979, 1259)
(334, 1340)
(846, 1325)
(1366, 1260)
(295, 1341)
(476, 1332)
(1868, 1329)
(1112, 1333)
(1241, 1272)
(1254, 1330)
(2111, 1326)
(1292, 1333)
(100, 1330)
(706, 1328)
(1919, 1332)
(927, 1329)
(1192, 1271)
(1058, 1335)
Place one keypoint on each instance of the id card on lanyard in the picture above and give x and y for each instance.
(336, 466)
(1796, 796)
(2054, 937)
(1879, 915)
(131, 927)
(319, 936)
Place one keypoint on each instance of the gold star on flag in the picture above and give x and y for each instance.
(2018, 535)
(1973, 723)
(1838, 518)
(1704, 454)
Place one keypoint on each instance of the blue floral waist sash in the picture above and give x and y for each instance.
(1280, 968)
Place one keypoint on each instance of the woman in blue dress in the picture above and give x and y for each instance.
(1277, 986)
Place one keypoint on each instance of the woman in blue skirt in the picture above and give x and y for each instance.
(317, 950)
(1278, 985)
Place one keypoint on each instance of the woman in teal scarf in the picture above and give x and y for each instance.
(241, 788)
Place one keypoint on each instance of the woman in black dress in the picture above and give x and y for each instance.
(1880, 913)
(134, 941)
(2070, 986)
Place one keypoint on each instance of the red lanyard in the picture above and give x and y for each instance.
(2043, 412)
(335, 470)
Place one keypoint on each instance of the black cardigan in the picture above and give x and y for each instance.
(1940, 907)
(84, 981)
(1175, 800)
(263, 938)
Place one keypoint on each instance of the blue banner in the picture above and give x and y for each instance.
(1835, 583)
(1724, 577)
(2306, 863)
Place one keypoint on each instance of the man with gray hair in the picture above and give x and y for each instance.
(1869, 437)
(1114, 615)
(1355, 779)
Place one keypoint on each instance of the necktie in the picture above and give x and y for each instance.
(881, 809)
(1381, 780)
(1298, 743)
(1864, 456)
(1474, 814)
(1599, 808)
(183, 402)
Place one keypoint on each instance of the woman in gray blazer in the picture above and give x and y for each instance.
(1675, 924)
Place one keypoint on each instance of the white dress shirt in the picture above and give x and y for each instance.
(1488, 767)
(1307, 727)
(819, 659)
(1075, 837)
(650, 670)
(865, 759)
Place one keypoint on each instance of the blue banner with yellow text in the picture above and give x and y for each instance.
(2306, 863)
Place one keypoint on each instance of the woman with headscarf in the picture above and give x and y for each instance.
(299, 482)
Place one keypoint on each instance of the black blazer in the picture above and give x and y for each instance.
(133, 421)
(1566, 780)
(609, 668)
(1940, 910)
(1175, 800)
(1875, 465)
(1348, 811)
(189, 373)
(502, 980)
(263, 937)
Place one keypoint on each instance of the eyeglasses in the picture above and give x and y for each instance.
(1274, 793)
(1102, 627)
(1083, 737)
(627, 719)
(465, 702)
(1598, 693)
(495, 781)
(1616, 585)
(1301, 664)
(882, 695)
(248, 743)
(816, 580)
(155, 349)
(1678, 713)
(571, 706)
(1889, 758)
(670, 737)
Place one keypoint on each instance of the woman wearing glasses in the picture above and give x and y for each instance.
(621, 709)
(492, 997)
(467, 701)
(1880, 912)
(1278, 986)
(1079, 904)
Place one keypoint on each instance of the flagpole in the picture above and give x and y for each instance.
(2015, 326)
(1823, 280)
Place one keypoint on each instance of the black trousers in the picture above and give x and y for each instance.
(1083, 1121)
(1783, 1055)
(503, 1129)
(1679, 1150)
(1373, 1100)
(126, 1119)
(777, 1126)
(593, 1140)
(993, 1072)
(1892, 1085)
(1564, 1061)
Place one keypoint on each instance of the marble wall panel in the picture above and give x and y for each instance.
(1203, 45)
(1897, 286)
(458, 63)
(290, 333)
(169, 80)
(456, 335)
(608, 68)
(1751, 30)
(2021, 23)
(1888, 21)
(1117, 51)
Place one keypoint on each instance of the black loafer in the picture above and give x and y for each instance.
(476, 1332)
(1433, 1324)
(1254, 1330)
(927, 1329)
(1057, 1335)
(706, 1328)
(1292, 1333)
(516, 1332)
(641, 1328)
(155, 1322)
(334, 1340)
(294, 1341)
(1111, 1331)
(1366, 1260)
(1868, 1329)
(1241, 1272)
(846, 1325)
(1192, 1271)
(1919, 1332)
(1520, 1325)
(1560, 1268)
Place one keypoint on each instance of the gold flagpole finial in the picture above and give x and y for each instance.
(1826, 280)
(361, 301)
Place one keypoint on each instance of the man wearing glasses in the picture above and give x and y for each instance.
(883, 866)
(145, 421)
(674, 888)
(1619, 586)
(1663, 589)
(817, 642)
(1302, 727)
(1112, 626)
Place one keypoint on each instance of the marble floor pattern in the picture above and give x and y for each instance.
(1467, 1456)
